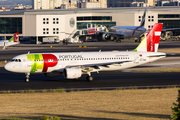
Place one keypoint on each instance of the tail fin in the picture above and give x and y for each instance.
(14, 38)
(150, 43)
(143, 18)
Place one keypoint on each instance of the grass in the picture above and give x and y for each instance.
(158, 70)
(144, 104)
(13, 118)
(2, 63)
(60, 90)
(45, 117)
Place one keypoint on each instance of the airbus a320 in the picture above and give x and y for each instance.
(74, 64)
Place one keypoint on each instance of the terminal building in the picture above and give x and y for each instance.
(62, 23)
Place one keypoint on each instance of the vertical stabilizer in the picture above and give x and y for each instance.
(150, 43)
(16, 37)
(143, 19)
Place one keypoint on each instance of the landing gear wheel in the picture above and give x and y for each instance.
(118, 41)
(27, 77)
(26, 80)
(89, 78)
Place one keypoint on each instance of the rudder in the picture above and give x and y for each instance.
(150, 43)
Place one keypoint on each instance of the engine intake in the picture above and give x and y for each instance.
(106, 36)
(72, 73)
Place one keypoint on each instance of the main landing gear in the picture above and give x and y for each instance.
(27, 77)
(89, 77)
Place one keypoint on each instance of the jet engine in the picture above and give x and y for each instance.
(106, 36)
(72, 73)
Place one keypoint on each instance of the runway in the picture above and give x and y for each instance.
(15, 81)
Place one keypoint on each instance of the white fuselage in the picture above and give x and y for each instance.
(128, 31)
(30, 64)
(7, 43)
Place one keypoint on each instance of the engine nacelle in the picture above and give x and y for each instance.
(72, 73)
(106, 36)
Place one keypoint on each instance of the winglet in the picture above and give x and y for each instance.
(150, 43)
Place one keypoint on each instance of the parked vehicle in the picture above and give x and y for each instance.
(50, 40)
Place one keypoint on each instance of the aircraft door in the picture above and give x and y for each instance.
(26, 65)
(136, 58)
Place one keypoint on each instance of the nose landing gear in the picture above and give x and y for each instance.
(27, 77)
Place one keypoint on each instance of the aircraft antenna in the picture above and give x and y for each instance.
(99, 50)
(28, 52)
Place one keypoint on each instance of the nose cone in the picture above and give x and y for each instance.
(8, 67)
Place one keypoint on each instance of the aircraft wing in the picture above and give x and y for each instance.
(114, 34)
(170, 29)
(98, 66)
(93, 67)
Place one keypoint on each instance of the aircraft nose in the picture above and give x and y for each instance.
(8, 67)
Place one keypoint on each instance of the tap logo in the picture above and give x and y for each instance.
(41, 62)
(16, 35)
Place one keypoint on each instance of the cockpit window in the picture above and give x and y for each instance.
(16, 60)
(12, 60)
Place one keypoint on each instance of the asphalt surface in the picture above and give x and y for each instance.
(16, 81)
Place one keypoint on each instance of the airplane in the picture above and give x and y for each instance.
(121, 32)
(12, 41)
(74, 64)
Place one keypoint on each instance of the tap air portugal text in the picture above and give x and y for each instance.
(73, 65)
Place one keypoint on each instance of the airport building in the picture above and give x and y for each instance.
(62, 23)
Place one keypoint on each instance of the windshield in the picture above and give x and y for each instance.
(16, 60)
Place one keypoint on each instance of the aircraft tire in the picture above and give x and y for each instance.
(89, 78)
(118, 41)
(26, 80)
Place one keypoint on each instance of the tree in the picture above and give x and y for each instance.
(176, 108)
